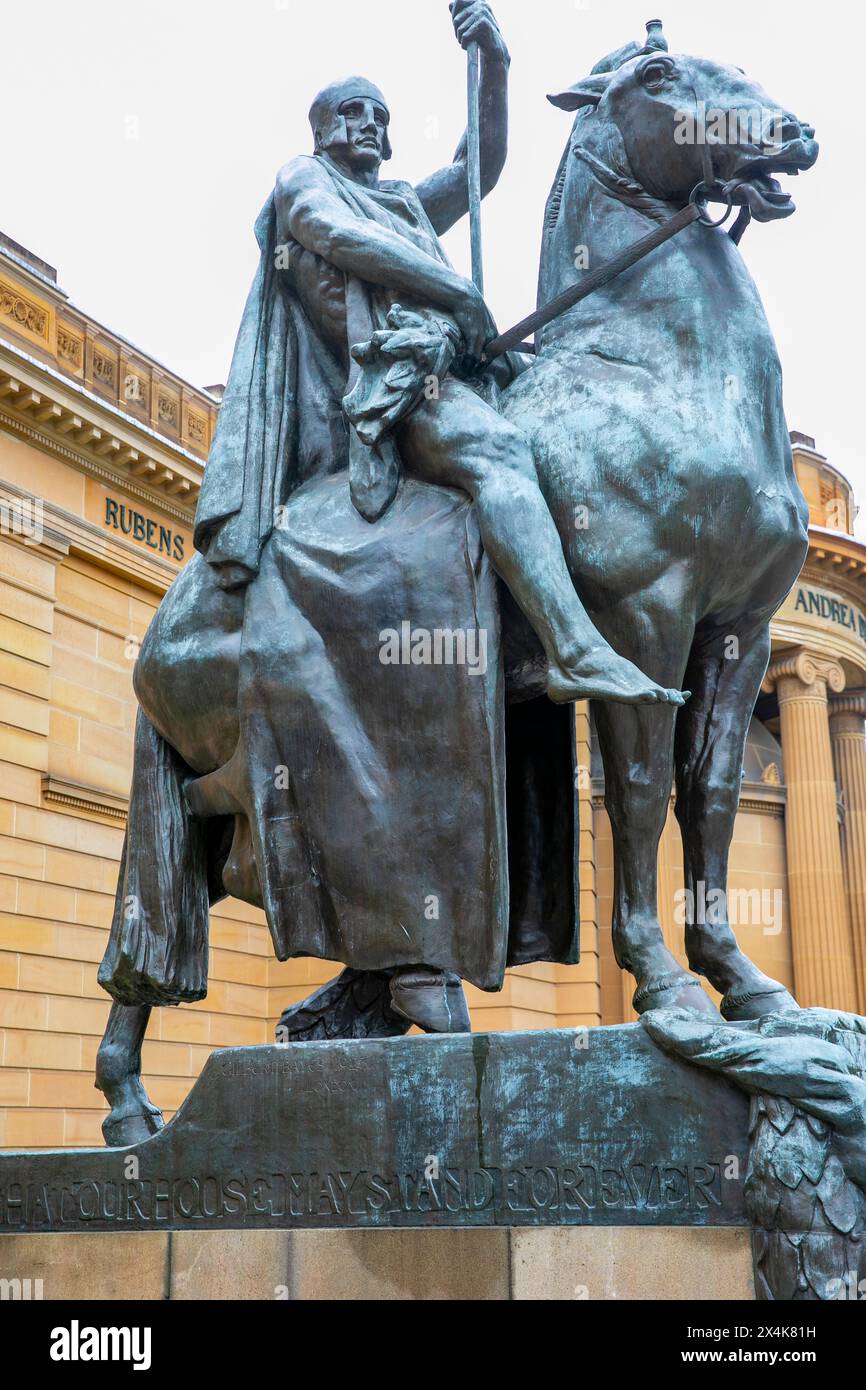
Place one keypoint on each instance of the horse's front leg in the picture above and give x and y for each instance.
(654, 627)
(133, 1117)
(637, 750)
(724, 674)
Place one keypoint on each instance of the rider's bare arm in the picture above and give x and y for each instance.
(311, 213)
(317, 218)
(445, 194)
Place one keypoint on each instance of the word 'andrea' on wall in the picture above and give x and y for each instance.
(143, 528)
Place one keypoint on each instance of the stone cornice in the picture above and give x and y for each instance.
(32, 274)
(836, 556)
(84, 798)
(63, 418)
(40, 317)
(761, 798)
(760, 807)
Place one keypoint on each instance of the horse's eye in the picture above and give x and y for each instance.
(654, 75)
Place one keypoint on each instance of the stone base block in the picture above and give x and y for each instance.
(622, 1262)
(56, 1267)
(409, 1264)
(572, 1263)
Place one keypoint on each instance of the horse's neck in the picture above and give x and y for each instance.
(665, 303)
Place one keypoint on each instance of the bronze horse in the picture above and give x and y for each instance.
(657, 405)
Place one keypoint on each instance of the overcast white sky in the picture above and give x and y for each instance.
(141, 139)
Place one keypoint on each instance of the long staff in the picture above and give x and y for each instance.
(473, 165)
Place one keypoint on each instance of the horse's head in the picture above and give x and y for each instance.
(669, 121)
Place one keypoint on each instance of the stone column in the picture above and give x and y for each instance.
(848, 740)
(820, 935)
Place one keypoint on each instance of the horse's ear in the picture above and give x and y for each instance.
(589, 92)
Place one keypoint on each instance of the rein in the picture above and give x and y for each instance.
(694, 211)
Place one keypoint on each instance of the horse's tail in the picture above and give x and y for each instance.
(170, 872)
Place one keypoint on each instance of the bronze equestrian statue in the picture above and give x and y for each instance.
(309, 738)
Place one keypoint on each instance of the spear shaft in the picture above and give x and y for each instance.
(473, 164)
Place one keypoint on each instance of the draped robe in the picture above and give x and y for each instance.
(384, 814)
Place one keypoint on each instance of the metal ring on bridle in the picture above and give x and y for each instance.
(700, 195)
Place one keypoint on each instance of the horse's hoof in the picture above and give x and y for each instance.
(119, 1131)
(676, 990)
(739, 1005)
(431, 999)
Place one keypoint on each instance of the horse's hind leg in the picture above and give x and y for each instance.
(637, 750)
(133, 1117)
(157, 949)
(711, 730)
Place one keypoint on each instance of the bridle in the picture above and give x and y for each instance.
(711, 187)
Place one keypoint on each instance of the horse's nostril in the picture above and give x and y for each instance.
(784, 129)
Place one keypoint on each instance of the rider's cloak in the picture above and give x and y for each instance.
(385, 808)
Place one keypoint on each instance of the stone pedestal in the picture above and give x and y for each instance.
(575, 1163)
(568, 1127)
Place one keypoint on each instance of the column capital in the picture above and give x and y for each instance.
(853, 702)
(799, 671)
(847, 713)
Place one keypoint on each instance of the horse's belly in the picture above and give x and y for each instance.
(723, 532)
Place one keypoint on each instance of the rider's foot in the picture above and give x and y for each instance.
(355, 1004)
(431, 999)
(600, 674)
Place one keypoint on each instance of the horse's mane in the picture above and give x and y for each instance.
(554, 198)
(620, 186)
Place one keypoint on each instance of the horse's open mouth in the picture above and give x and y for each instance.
(754, 186)
(763, 195)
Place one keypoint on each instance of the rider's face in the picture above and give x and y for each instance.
(366, 127)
